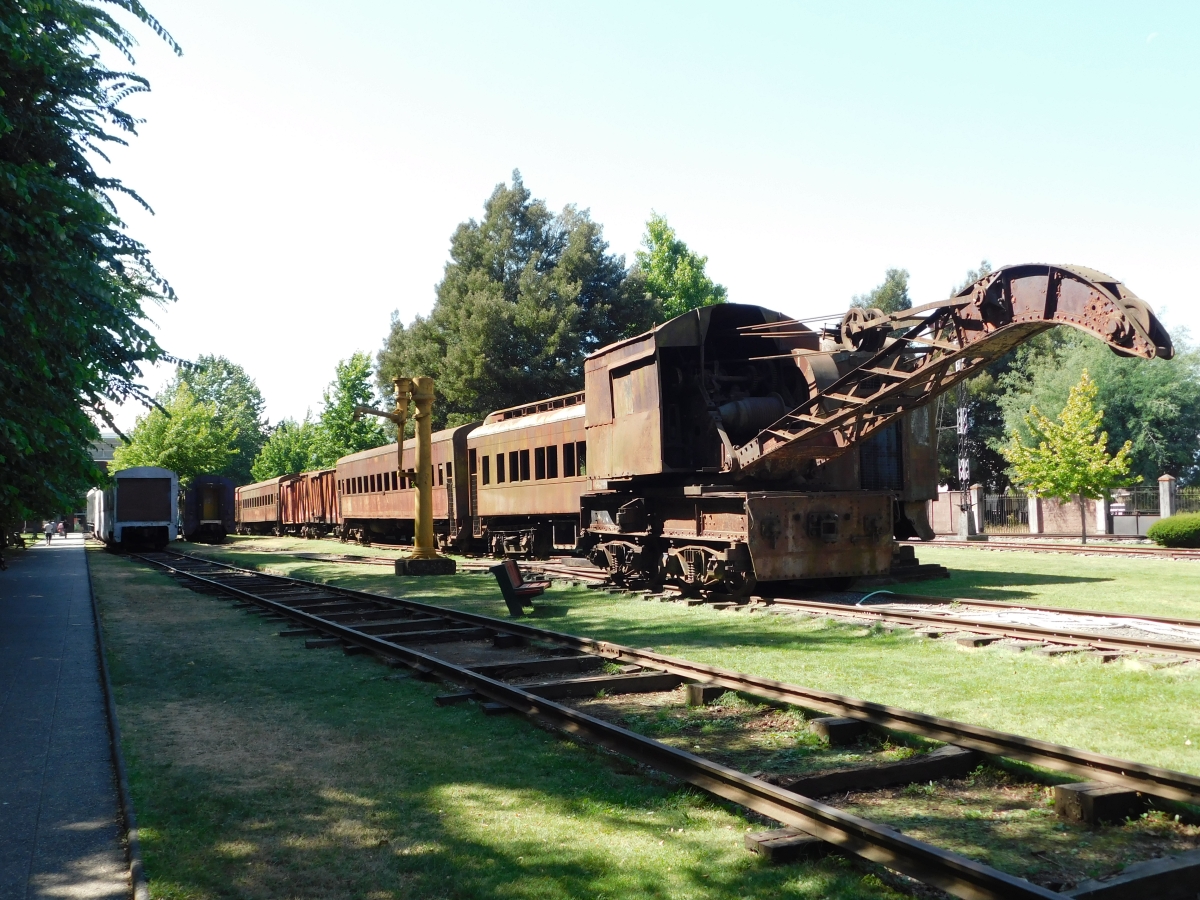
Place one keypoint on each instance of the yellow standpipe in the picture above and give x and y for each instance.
(424, 559)
(423, 545)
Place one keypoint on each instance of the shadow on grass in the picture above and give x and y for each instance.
(402, 799)
(983, 584)
(585, 613)
(261, 769)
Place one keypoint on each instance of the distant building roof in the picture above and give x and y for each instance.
(102, 450)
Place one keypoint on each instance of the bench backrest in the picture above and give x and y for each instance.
(514, 574)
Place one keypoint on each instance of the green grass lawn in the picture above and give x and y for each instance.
(1147, 716)
(1156, 587)
(263, 770)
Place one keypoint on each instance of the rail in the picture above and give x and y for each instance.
(1137, 776)
(952, 872)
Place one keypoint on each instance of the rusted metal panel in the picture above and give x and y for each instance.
(599, 392)
(819, 535)
(636, 435)
(920, 456)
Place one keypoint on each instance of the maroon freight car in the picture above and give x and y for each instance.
(309, 504)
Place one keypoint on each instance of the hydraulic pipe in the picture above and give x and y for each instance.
(422, 394)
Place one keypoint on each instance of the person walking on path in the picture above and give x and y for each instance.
(49, 529)
(62, 530)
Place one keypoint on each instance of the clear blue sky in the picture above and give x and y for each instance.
(308, 162)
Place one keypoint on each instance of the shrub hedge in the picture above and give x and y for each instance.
(1180, 530)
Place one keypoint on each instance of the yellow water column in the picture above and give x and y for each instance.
(424, 559)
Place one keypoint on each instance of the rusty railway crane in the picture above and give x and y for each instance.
(734, 445)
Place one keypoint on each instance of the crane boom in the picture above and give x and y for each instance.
(902, 361)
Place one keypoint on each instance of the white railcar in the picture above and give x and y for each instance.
(139, 509)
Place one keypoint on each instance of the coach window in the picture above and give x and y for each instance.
(552, 461)
(441, 475)
(539, 463)
(499, 468)
(514, 467)
(524, 465)
(487, 470)
(568, 460)
(581, 456)
(450, 470)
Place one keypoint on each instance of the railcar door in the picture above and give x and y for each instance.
(473, 493)
(210, 503)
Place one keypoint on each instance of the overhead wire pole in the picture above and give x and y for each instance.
(966, 521)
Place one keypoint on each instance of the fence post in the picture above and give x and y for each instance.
(1166, 496)
(1102, 516)
(1035, 513)
(977, 506)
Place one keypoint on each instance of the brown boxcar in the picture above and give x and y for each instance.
(309, 504)
(377, 492)
(527, 467)
(258, 506)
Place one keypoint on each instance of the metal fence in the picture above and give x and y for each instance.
(1187, 499)
(1006, 513)
(1139, 500)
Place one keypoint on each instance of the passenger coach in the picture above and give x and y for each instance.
(378, 491)
(528, 468)
(259, 506)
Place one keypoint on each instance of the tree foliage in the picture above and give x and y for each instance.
(338, 434)
(673, 274)
(1153, 405)
(890, 296)
(526, 295)
(238, 407)
(74, 284)
(1069, 458)
(292, 447)
(182, 433)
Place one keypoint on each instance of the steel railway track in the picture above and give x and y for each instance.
(1063, 547)
(965, 624)
(395, 630)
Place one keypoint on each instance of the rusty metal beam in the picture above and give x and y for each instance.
(983, 322)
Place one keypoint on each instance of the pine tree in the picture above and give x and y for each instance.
(1069, 458)
(526, 295)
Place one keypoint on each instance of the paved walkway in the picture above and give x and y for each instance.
(60, 832)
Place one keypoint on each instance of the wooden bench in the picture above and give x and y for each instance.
(518, 593)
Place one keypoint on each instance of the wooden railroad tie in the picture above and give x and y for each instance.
(787, 845)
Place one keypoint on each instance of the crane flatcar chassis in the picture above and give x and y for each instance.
(721, 442)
